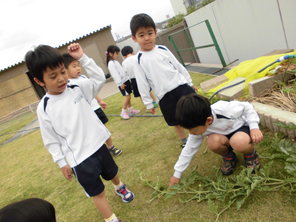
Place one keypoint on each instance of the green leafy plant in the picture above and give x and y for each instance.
(224, 192)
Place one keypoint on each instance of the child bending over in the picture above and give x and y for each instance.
(229, 126)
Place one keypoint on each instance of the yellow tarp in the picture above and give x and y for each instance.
(249, 70)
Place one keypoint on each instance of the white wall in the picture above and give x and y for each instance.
(178, 7)
(244, 29)
(129, 42)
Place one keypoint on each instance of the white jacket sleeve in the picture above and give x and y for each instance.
(251, 115)
(114, 73)
(190, 149)
(96, 76)
(143, 86)
(51, 140)
(180, 67)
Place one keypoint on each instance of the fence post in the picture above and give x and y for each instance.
(215, 43)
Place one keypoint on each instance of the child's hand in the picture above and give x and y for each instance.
(75, 50)
(152, 111)
(67, 172)
(174, 181)
(103, 104)
(256, 135)
(123, 86)
(194, 87)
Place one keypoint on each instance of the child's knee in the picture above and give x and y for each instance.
(240, 142)
(217, 142)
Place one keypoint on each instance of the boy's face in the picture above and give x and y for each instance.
(145, 37)
(198, 130)
(54, 80)
(74, 69)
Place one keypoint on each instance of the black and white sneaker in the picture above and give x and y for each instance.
(114, 151)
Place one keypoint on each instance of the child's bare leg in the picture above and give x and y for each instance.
(126, 101)
(102, 205)
(241, 142)
(218, 144)
(116, 180)
(109, 142)
(152, 96)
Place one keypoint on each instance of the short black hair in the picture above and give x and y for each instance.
(139, 21)
(192, 111)
(33, 209)
(68, 59)
(41, 58)
(126, 50)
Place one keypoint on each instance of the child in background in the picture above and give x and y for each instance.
(121, 80)
(73, 68)
(128, 66)
(228, 125)
(28, 210)
(70, 130)
(159, 69)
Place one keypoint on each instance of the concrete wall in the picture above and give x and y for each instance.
(178, 7)
(16, 90)
(244, 29)
(129, 41)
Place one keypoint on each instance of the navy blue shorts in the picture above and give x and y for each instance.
(244, 129)
(168, 103)
(135, 88)
(101, 115)
(127, 90)
(89, 172)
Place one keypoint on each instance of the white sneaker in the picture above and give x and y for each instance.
(133, 112)
(124, 115)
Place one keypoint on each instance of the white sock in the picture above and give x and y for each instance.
(113, 218)
(118, 185)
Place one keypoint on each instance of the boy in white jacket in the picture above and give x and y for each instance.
(229, 126)
(159, 70)
(70, 129)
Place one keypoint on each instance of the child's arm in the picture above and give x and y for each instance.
(144, 87)
(115, 73)
(246, 110)
(101, 102)
(180, 68)
(95, 73)
(252, 119)
(190, 149)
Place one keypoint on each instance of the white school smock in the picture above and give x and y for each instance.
(70, 129)
(160, 70)
(228, 117)
(94, 103)
(128, 66)
(117, 72)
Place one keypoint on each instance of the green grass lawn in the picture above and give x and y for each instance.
(150, 149)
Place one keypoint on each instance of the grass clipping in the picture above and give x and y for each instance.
(225, 192)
